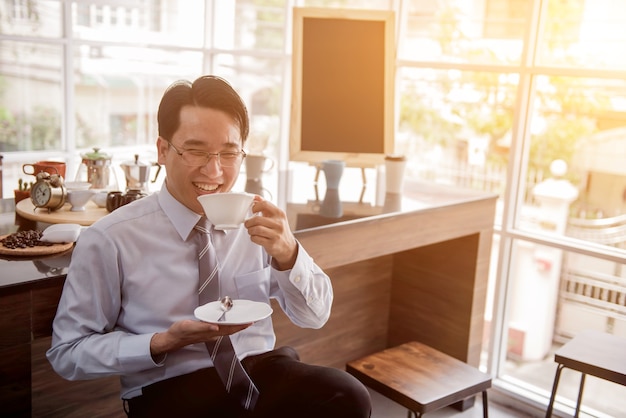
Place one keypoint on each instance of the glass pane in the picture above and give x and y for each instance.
(555, 295)
(259, 81)
(458, 31)
(178, 23)
(349, 4)
(455, 126)
(31, 96)
(118, 90)
(584, 34)
(581, 124)
(31, 18)
(250, 26)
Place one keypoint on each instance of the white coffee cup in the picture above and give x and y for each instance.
(394, 173)
(79, 198)
(226, 210)
(256, 165)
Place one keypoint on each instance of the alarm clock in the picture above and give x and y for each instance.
(48, 191)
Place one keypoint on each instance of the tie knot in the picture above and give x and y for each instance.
(203, 226)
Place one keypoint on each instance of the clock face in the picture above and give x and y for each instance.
(41, 194)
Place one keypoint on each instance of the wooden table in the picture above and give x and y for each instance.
(417, 271)
(64, 215)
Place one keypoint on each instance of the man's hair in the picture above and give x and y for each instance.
(207, 91)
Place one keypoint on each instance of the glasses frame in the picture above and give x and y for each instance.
(209, 155)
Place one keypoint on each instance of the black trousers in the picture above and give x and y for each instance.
(287, 387)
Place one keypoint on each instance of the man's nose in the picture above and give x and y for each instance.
(213, 166)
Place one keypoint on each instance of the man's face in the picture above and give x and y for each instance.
(201, 129)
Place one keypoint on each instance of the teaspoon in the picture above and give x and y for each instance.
(226, 303)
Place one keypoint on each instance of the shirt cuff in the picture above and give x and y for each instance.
(134, 353)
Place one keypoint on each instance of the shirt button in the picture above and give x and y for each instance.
(297, 279)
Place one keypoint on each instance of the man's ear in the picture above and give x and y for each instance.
(162, 149)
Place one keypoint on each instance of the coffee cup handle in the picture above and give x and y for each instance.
(267, 195)
(32, 172)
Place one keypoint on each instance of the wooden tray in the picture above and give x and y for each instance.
(34, 251)
(92, 213)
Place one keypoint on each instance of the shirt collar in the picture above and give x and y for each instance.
(179, 215)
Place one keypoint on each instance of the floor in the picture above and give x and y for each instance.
(54, 397)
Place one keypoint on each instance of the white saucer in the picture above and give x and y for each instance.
(226, 227)
(242, 312)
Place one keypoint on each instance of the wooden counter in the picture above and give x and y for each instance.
(411, 275)
(414, 271)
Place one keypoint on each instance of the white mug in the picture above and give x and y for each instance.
(255, 186)
(256, 165)
(394, 173)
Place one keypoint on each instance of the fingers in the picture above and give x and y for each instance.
(232, 329)
(263, 207)
(219, 329)
(188, 331)
(272, 232)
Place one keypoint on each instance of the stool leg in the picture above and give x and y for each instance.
(557, 376)
(413, 414)
(580, 394)
(485, 405)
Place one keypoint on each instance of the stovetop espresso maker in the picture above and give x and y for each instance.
(137, 174)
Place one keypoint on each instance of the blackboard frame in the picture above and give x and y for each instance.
(343, 74)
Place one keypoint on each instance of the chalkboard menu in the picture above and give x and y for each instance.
(343, 85)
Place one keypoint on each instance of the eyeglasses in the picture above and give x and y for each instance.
(197, 158)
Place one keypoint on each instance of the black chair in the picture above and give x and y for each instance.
(591, 352)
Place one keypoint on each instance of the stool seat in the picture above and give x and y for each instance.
(420, 378)
(591, 352)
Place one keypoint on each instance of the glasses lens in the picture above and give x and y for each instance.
(195, 158)
(199, 158)
(229, 159)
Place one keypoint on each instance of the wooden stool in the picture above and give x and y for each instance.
(420, 378)
(591, 352)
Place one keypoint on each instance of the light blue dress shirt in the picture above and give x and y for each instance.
(135, 272)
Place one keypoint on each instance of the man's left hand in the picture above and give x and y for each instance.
(270, 229)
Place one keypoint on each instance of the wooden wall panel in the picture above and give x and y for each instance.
(15, 353)
(45, 298)
(358, 322)
(14, 318)
(430, 291)
(15, 399)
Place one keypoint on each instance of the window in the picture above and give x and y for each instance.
(524, 98)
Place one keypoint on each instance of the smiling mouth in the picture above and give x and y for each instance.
(206, 187)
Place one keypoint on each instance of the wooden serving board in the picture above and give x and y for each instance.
(92, 213)
(35, 251)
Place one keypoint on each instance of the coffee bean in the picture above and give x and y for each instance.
(24, 239)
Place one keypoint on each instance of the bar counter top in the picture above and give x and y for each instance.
(304, 215)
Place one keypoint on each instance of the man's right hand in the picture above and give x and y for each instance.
(188, 331)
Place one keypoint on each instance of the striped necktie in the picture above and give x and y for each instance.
(227, 365)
